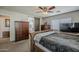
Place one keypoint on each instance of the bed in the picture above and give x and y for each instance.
(56, 42)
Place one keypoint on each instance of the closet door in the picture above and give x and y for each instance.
(25, 30)
(21, 30)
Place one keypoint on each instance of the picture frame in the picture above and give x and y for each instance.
(7, 22)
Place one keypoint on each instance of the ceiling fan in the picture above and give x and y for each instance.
(45, 9)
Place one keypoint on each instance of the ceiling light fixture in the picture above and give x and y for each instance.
(45, 9)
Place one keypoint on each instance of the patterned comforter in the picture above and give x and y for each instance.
(60, 42)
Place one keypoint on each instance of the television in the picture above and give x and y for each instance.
(69, 27)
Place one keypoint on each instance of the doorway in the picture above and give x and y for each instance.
(21, 30)
(37, 24)
(4, 28)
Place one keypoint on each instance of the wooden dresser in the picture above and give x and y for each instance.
(6, 34)
(45, 27)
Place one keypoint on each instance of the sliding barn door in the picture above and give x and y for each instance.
(21, 30)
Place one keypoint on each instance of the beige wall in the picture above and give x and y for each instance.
(73, 15)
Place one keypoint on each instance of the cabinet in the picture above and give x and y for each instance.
(21, 30)
(45, 27)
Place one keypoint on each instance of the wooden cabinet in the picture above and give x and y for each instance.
(21, 30)
(45, 27)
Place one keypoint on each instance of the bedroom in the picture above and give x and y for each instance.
(40, 22)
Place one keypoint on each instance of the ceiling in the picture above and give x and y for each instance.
(31, 10)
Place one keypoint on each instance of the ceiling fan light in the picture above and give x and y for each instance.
(45, 13)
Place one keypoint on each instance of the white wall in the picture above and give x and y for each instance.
(14, 16)
(74, 15)
(31, 24)
(55, 24)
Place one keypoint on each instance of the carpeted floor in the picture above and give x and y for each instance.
(21, 46)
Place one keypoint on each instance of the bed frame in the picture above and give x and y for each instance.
(33, 47)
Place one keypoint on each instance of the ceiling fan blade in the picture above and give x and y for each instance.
(40, 7)
(52, 7)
